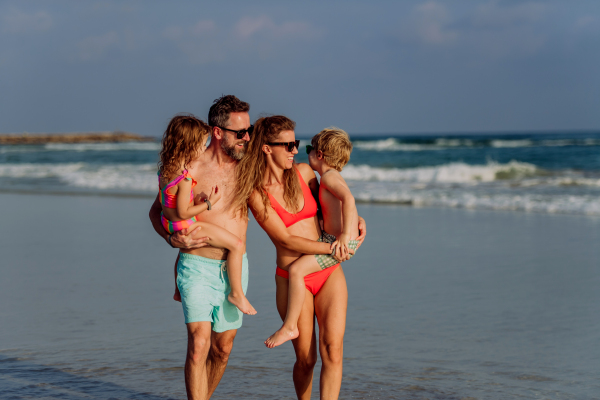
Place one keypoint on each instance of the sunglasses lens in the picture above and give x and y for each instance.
(251, 130)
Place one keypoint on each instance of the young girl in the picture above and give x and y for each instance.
(183, 140)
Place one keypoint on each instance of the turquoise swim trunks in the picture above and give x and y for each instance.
(204, 287)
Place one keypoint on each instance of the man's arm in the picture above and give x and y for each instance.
(181, 239)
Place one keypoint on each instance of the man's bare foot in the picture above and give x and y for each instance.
(177, 295)
(281, 336)
(242, 303)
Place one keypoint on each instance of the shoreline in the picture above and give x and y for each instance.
(77, 137)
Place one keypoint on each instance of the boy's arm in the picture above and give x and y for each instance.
(313, 185)
(334, 183)
(275, 228)
(181, 239)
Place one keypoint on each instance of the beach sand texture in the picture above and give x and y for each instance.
(444, 304)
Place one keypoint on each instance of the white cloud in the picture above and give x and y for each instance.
(16, 21)
(94, 47)
(247, 27)
(432, 20)
(492, 15)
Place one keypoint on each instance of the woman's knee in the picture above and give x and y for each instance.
(332, 351)
(306, 362)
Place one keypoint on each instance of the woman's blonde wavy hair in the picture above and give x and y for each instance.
(252, 168)
(181, 142)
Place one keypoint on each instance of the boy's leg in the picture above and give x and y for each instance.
(298, 270)
(219, 237)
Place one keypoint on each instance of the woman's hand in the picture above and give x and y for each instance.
(341, 245)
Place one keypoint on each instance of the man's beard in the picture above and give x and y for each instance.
(231, 151)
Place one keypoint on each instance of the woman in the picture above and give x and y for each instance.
(282, 196)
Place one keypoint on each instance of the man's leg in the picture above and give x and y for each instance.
(196, 378)
(220, 347)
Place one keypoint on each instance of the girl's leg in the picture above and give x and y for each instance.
(305, 345)
(297, 271)
(219, 237)
(331, 304)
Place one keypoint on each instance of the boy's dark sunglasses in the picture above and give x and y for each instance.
(290, 145)
(240, 134)
(309, 148)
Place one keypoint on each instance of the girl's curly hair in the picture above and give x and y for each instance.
(181, 142)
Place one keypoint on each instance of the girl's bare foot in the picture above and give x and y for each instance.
(281, 336)
(177, 295)
(242, 303)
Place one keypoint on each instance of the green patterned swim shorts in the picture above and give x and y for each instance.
(325, 260)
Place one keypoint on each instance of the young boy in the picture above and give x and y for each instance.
(328, 153)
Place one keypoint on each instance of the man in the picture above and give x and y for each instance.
(210, 341)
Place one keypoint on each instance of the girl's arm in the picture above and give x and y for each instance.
(278, 233)
(184, 211)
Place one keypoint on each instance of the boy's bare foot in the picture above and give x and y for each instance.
(177, 295)
(281, 336)
(242, 303)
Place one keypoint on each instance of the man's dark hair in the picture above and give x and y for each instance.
(218, 115)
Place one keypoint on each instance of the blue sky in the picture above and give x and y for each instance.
(367, 67)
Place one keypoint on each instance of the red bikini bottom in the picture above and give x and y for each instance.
(313, 282)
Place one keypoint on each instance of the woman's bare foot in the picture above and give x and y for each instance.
(281, 336)
(242, 303)
(177, 295)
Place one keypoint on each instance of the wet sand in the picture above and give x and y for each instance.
(444, 304)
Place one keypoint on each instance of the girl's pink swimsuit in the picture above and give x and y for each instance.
(315, 281)
(170, 201)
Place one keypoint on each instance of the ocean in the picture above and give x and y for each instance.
(542, 172)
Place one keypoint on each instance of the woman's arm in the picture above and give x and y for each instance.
(278, 233)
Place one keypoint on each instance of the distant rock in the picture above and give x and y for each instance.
(84, 137)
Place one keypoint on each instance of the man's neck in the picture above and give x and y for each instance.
(215, 154)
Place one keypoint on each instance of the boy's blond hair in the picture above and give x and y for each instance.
(335, 145)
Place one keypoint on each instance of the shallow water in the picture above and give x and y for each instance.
(444, 304)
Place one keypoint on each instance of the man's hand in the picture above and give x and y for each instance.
(362, 231)
(187, 239)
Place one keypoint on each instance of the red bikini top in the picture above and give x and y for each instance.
(308, 211)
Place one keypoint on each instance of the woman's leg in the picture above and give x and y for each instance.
(297, 271)
(331, 304)
(305, 345)
(219, 237)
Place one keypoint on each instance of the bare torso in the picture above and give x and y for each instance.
(306, 228)
(208, 172)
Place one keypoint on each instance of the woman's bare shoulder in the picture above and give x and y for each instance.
(306, 171)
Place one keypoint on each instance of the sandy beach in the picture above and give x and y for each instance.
(444, 304)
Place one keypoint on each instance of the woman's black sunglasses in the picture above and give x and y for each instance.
(290, 145)
(240, 134)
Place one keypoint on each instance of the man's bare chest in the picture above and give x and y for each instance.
(208, 179)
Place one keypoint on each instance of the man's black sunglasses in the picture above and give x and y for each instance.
(290, 145)
(241, 133)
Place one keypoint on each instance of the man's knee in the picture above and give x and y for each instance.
(332, 351)
(198, 344)
(221, 346)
